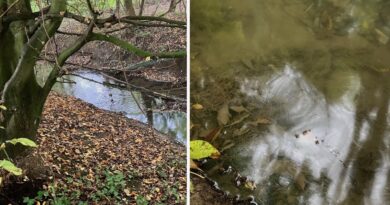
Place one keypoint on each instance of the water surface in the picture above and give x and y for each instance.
(319, 72)
(89, 87)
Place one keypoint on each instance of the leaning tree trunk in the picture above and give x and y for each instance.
(19, 50)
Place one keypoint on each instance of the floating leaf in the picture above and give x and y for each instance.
(223, 114)
(200, 149)
(197, 106)
(23, 141)
(10, 167)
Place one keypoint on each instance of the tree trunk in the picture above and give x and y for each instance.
(172, 5)
(141, 8)
(129, 8)
(23, 97)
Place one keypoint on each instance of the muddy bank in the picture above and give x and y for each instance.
(81, 148)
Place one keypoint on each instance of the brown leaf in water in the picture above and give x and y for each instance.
(238, 109)
(263, 121)
(211, 136)
(193, 165)
(300, 180)
(223, 116)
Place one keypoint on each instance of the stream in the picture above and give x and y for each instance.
(301, 92)
(154, 110)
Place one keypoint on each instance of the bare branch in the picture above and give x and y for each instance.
(131, 48)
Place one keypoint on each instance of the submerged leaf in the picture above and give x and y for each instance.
(197, 106)
(223, 114)
(23, 141)
(301, 181)
(250, 185)
(10, 167)
(238, 109)
(200, 149)
(211, 136)
(193, 165)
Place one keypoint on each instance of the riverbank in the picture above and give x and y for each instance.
(95, 156)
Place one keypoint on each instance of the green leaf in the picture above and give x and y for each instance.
(23, 141)
(10, 167)
(200, 149)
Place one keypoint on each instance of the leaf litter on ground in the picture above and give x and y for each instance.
(80, 144)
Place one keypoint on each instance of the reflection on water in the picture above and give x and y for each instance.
(105, 97)
(319, 71)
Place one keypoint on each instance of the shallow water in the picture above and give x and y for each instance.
(319, 71)
(125, 101)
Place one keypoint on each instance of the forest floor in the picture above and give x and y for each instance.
(90, 155)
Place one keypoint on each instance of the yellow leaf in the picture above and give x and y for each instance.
(197, 106)
(250, 185)
(200, 149)
(147, 58)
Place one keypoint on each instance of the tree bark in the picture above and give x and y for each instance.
(141, 8)
(129, 7)
(21, 94)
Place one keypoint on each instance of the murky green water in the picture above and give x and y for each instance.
(313, 77)
(150, 110)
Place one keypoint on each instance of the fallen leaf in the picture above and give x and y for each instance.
(197, 106)
(238, 109)
(127, 192)
(263, 121)
(250, 185)
(193, 165)
(200, 149)
(210, 137)
(301, 181)
(223, 116)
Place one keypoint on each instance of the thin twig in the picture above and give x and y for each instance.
(10, 7)
(198, 175)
